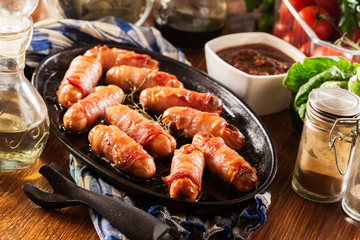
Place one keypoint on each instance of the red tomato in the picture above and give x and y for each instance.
(306, 48)
(322, 27)
(325, 51)
(298, 4)
(285, 15)
(330, 6)
(280, 29)
(289, 37)
(355, 37)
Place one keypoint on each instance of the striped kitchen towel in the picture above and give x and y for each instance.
(52, 35)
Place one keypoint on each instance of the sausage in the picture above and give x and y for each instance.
(110, 57)
(226, 163)
(188, 121)
(128, 77)
(122, 151)
(83, 74)
(158, 99)
(91, 109)
(149, 134)
(187, 166)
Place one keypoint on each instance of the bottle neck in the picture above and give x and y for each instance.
(15, 37)
(15, 64)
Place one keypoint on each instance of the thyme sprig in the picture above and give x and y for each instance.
(133, 104)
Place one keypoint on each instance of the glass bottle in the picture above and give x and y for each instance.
(189, 23)
(327, 144)
(24, 122)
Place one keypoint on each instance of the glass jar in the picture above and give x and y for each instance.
(327, 142)
(351, 199)
(189, 23)
(24, 122)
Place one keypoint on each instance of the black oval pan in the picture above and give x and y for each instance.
(259, 149)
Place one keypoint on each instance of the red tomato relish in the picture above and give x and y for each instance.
(257, 59)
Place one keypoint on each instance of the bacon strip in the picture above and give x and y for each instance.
(149, 134)
(188, 121)
(122, 151)
(110, 57)
(226, 163)
(187, 166)
(128, 77)
(83, 74)
(91, 109)
(158, 99)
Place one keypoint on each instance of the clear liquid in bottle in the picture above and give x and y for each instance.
(24, 122)
(20, 143)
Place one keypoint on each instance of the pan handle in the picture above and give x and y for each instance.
(133, 222)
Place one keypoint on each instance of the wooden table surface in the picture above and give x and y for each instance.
(289, 215)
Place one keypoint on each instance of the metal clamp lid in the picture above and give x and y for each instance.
(335, 102)
(339, 136)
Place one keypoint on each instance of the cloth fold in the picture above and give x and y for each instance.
(235, 225)
(51, 36)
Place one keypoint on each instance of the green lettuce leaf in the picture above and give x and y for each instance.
(315, 72)
(354, 85)
(331, 74)
(335, 84)
(300, 73)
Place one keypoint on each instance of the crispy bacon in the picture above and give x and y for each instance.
(83, 74)
(149, 134)
(110, 57)
(226, 163)
(188, 121)
(122, 151)
(128, 77)
(187, 166)
(89, 110)
(158, 99)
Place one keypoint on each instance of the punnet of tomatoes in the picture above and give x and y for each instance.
(320, 27)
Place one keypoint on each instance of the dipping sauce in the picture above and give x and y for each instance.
(257, 59)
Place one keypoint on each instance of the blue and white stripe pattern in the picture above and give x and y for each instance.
(51, 36)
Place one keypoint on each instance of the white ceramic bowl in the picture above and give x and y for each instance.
(264, 94)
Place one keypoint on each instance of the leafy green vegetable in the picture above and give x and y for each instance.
(251, 5)
(335, 84)
(265, 21)
(333, 73)
(354, 85)
(350, 15)
(317, 72)
(300, 73)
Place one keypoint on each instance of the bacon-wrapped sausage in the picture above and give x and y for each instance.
(91, 109)
(122, 151)
(128, 77)
(149, 134)
(83, 74)
(110, 57)
(187, 166)
(188, 121)
(226, 163)
(158, 99)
